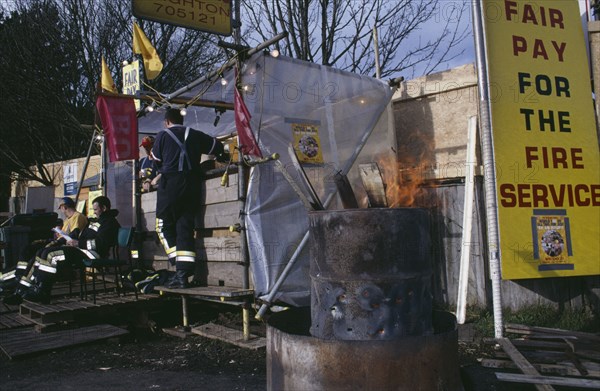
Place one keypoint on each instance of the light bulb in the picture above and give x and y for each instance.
(125, 62)
(275, 53)
(223, 81)
(183, 111)
(149, 109)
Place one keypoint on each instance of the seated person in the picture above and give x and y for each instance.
(73, 224)
(94, 242)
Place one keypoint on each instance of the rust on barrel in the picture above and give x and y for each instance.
(370, 273)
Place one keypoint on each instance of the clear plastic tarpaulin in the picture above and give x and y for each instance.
(326, 116)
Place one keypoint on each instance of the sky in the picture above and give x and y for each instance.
(434, 27)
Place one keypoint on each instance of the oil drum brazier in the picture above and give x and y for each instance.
(371, 324)
(370, 273)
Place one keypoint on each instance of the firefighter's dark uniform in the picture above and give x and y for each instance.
(177, 151)
(94, 242)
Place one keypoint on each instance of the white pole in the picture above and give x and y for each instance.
(465, 256)
(376, 47)
(487, 151)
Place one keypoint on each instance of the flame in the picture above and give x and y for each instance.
(405, 173)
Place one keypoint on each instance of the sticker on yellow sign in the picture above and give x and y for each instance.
(545, 141)
(213, 16)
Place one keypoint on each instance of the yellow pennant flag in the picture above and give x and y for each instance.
(106, 79)
(141, 45)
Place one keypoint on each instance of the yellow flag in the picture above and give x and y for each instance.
(141, 45)
(106, 79)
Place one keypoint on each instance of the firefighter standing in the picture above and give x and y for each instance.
(177, 151)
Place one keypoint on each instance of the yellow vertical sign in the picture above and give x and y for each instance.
(131, 80)
(91, 197)
(545, 141)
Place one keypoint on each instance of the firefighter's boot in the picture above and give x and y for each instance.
(39, 293)
(179, 280)
(16, 297)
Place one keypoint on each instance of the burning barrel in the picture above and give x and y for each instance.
(370, 273)
(371, 325)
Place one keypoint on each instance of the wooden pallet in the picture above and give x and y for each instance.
(226, 334)
(21, 342)
(69, 309)
(13, 320)
(548, 357)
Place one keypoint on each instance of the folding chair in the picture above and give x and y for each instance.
(124, 240)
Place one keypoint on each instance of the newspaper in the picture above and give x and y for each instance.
(62, 233)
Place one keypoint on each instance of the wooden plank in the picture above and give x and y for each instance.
(219, 215)
(13, 320)
(235, 337)
(21, 342)
(214, 249)
(5, 308)
(583, 350)
(28, 307)
(526, 343)
(524, 365)
(219, 249)
(50, 328)
(225, 274)
(213, 184)
(214, 193)
(153, 250)
(211, 291)
(524, 329)
(373, 184)
(564, 369)
(549, 380)
(345, 191)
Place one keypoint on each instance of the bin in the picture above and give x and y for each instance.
(15, 238)
(24, 229)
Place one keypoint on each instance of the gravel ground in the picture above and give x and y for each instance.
(148, 359)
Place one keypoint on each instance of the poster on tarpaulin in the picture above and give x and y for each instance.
(545, 141)
(307, 143)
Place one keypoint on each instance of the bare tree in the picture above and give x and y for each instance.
(339, 32)
(36, 125)
(50, 53)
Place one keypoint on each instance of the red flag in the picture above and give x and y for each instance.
(120, 125)
(248, 143)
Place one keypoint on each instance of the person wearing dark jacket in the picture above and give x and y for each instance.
(94, 242)
(177, 151)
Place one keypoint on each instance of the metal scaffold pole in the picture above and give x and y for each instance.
(487, 151)
(242, 189)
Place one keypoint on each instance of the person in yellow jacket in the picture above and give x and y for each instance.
(73, 223)
(73, 219)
